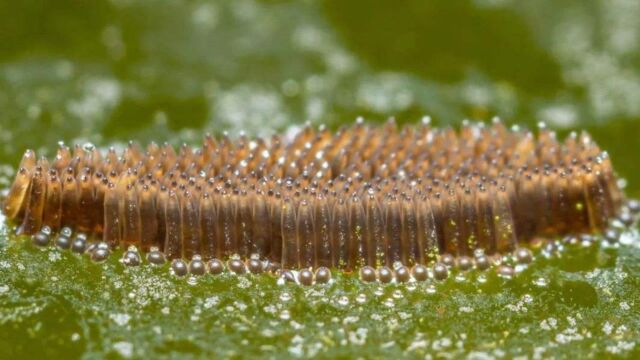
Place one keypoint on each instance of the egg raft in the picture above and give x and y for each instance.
(389, 202)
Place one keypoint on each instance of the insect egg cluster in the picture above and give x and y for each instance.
(391, 203)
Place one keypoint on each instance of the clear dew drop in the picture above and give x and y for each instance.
(361, 298)
(481, 279)
(431, 289)
(478, 252)
(285, 315)
(389, 303)
(397, 294)
(285, 296)
(46, 230)
(541, 282)
(65, 231)
(343, 301)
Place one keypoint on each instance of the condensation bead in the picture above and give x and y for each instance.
(419, 273)
(254, 266)
(131, 258)
(179, 267)
(440, 271)
(288, 276)
(448, 260)
(323, 275)
(156, 257)
(402, 274)
(611, 235)
(385, 275)
(551, 248)
(586, 239)
(196, 267)
(524, 256)
(79, 245)
(482, 262)
(66, 231)
(100, 254)
(236, 266)
(465, 263)
(41, 239)
(634, 206)
(216, 267)
(541, 282)
(571, 240)
(367, 274)
(505, 271)
(397, 294)
(305, 277)
(46, 230)
(63, 242)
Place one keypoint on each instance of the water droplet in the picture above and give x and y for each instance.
(285, 315)
(481, 279)
(541, 282)
(478, 252)
(343, 300)
(389, 303)
(505, 272)
(46, 230)
(65, 231)
(285, 296)
(460, 278)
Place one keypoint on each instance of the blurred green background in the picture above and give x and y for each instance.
(109, 71)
